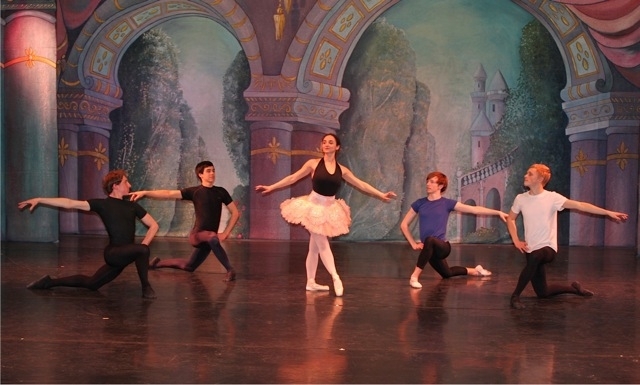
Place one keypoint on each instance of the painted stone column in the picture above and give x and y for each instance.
(622, 184)
(3, 142)
(68, 174)
(588, 171)
(270, 162)
(93, 165)
(29, 129)
(84, 128)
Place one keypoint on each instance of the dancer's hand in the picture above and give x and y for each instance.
(521, 245)
(386, 197)
(134, 196)
(33, 202)
(618, 217)
(418, 246)
(265, 189)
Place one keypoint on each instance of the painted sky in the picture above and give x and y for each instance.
(206, 51)
(451, 39)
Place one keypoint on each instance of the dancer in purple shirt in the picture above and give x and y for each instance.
(433, 213)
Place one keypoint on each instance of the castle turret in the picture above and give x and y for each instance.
(481, 130)
(498, 92)
(478, 96)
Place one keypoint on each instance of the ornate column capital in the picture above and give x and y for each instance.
(85, 107)
(604, 111)
(295, 107)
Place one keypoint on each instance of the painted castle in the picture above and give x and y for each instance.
(484, 185)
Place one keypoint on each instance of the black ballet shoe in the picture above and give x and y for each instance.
(515, 303)
(148, 293)
(230, 276)
(581, 290)
(41, 284)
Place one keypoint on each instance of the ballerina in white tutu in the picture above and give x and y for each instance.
(320, 212)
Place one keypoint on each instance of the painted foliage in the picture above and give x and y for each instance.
(413, 77)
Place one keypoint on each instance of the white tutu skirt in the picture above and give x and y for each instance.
(318, 213)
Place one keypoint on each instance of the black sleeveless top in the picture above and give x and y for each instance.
(324, 183)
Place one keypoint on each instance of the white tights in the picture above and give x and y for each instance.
(319, 245)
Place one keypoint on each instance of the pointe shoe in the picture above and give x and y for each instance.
(482, 271)
(313, 286)
(230, 276)
(415, 284)
(41, 284)
(581, 290)
(337, 286)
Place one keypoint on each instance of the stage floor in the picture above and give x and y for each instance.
(265, 328)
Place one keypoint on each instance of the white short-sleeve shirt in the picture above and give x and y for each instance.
(540, 218)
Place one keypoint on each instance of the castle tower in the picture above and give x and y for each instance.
(481, 130)
(498, 92)
(478, 96)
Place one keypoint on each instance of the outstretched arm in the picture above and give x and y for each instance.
(152, 229)
(479, 210)
(64, 203)
(592, 209)
(305, 170)
(364, 186)
(232, 221)
(513, 231)
(404, 226)
(156, 194)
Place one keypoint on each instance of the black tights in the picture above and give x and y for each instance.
(535, 272)
(116, 259)
(204, 243)
(435, 252)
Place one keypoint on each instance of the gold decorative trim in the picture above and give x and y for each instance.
(232, 11)
(621, 156)
(273, 151)
(240, 23)
(582, 161)
(70, 84)
(29, 58)
(98, 153)
(248, 38)
(95, 16)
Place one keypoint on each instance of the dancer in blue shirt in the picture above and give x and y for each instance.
(433, 213)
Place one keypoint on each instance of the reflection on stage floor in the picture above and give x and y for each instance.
(265, 328)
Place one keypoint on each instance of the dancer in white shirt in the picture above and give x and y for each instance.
(539, 208)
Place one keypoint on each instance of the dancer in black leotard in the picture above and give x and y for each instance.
(320, 212)
(207, 201)
(119, 217)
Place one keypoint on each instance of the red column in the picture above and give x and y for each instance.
(29, 127)
(270, 162)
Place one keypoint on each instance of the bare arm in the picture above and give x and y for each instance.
(156, 194)
(479, 210)
(305, 170)
(404, 226)
(152, 229)
(364, 186)
(513, 231)
(592, 209)
(64, 203)
(232, 221)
